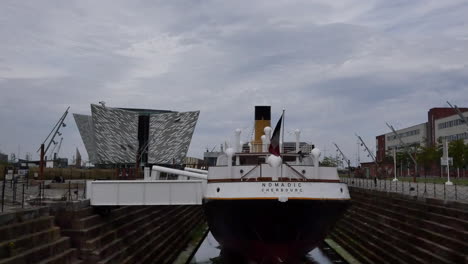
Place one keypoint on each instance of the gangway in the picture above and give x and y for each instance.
(150, 191)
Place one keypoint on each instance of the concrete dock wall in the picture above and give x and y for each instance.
(385, 227)
(130, 234)
(78, 233)
(30, 236)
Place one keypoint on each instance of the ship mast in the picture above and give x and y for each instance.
(282, 133)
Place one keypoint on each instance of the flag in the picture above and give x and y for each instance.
(275, 139)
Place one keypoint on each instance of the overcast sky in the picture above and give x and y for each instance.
(337, 67)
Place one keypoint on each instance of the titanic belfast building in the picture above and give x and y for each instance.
(127, 136)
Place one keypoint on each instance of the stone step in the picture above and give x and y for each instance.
(182, 238)
(12, 231)
(83, 212)
(108, 236)
(410, 226)
(367, 236)
(116, 257)
(134, 244)
(144, 225)
(123, 255)
(165, 245)
(409, 208)
(459, 205)
(442, 207)
(363, 252)
(16, 246)
(62, 217)
(179, 239)
(403, 215)
(23, 215)
(139, 252)
(80, 235)
(349, 246)
(121, 237)
(66, 257)
(410, 247)
(86, 222)
(42, 252)
(140, 219)
(108, 249)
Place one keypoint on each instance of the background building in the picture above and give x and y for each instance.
(451, 127)
(121, 136)
(193, 162)
(3, 157)
(442, 123)
(210, 157)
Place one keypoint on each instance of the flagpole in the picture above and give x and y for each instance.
(282, 133)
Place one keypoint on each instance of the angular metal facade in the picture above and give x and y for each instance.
(85, 127)
(116, 134)
(170, 136)
(110, 135)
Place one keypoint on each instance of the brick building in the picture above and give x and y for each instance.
(442, 123)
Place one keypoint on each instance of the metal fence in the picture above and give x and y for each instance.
(24, 193)
(420, 189)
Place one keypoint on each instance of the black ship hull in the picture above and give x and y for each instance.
(269, 231)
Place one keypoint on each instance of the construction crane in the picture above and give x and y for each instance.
(460, 114)
(370, 154)
(345, 158)
(54, 132)
(51, 152)
(59, 146)
(402, 144)
(406, 149)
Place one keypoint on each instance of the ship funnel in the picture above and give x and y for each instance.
(262, 120)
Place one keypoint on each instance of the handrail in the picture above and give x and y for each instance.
(298, 173)
(251, 171)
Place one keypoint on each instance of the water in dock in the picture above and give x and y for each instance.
(209, 253)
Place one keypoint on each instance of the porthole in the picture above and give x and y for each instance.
(241, 171)
(303, 171)
(341, 189)
(217, 190)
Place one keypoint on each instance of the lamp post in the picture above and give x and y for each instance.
(448, 172)
(394, 165)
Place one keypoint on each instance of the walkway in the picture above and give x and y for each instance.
(420, 189)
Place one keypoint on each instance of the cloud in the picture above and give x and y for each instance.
(336, 67)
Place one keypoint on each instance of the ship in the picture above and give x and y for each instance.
(269, 205)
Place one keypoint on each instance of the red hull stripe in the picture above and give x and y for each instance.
(267, 179)
(276, 198)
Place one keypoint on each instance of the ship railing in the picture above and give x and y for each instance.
(250, 172)
(259, 167)
(295, 171)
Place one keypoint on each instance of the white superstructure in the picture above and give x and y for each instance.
(240, 175)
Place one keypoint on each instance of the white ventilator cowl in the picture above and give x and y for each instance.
(316, 152)
(267, 130)
(274, 161)
(230, 152)
(315, 156)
